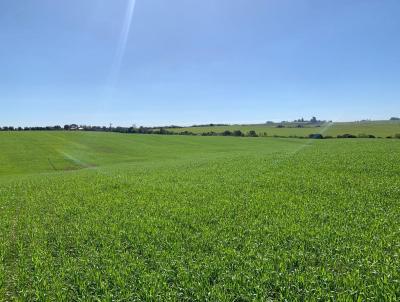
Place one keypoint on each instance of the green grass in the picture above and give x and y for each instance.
(156, 218)
(376, 128)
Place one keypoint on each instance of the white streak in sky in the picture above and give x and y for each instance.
(121, 47)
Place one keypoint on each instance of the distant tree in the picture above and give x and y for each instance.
(397, 135)
(280, 126)
(141, 129)
(186, 133)
(395, 118)
(226, 133)
(313, 120)
(132, 130)
(237, 133)
(363, 135)
(316, 136)
(162, 131)
(252, 133)
(346, 136)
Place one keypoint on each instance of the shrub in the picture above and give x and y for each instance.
(346, 136)
(186, 133)
(226, 133)
(363, 135)
(316, 136)
(252, 133)
(161, 131)
(211, 133)
(397, 135)
(237, 133)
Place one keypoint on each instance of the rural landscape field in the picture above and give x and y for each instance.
(203, 150)
(129, 217)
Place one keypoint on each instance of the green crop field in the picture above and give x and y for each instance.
(376, 128)
(118, 217)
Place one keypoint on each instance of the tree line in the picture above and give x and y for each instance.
(165, 131)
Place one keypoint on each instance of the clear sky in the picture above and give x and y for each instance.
(159, 62)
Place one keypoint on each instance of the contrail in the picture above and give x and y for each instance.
(121, 48)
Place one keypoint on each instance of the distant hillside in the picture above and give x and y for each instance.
(376, 128)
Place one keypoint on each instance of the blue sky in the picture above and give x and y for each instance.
(197, 61)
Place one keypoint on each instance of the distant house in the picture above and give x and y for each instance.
(74, 127)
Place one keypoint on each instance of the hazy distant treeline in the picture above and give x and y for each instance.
(165, 131)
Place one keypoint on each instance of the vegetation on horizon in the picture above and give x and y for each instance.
(300, 128)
